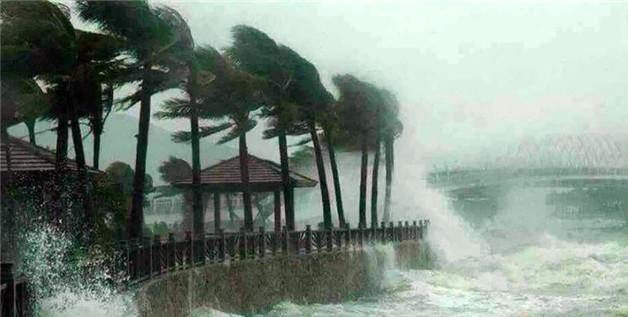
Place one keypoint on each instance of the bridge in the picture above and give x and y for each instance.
(582, 161)
(457, 180)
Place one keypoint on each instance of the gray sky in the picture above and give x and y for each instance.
(471, 75)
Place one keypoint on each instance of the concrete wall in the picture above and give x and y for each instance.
(256, 285)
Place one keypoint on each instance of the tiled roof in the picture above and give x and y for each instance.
(261, 171)
(25, 157)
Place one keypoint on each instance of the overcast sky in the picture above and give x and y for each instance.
(470, 75)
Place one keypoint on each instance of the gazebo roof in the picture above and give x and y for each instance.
(264, 175)
(25, 157)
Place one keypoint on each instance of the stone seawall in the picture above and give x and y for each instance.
(256, 285)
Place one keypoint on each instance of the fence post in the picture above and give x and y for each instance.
(373, 238)
(339, 238)
(156, 254)
(406, 230)
(262, 242)
(361, 235)
(308, 239)
(284, 240)
(242, 243)
(414, 231)
(222, 246)
(137, 259)
(200, 248)
(347, 235)
(128, 261)
(189, 247)
(330, 239)
(148, 256)
(399, 231)
(172, 249)
(274, 242)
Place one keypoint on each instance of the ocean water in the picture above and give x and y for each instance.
(543, 276)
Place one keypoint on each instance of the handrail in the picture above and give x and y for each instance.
(14, 298)
(145, 259)
(148, 258)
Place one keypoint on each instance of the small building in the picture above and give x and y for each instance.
(264, 177)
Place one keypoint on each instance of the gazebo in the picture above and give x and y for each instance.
(264, 176)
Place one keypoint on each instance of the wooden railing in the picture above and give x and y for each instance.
(148, 258)
(14, 298)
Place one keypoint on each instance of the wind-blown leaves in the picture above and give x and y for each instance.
(22, 99)
(237, 130)
(204, 131)
(25, 52)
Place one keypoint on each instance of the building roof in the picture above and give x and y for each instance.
(25, 157)
(263, 175)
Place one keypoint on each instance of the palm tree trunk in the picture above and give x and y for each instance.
(374, 179)
(97, 130)
(79, 154)
(244, 178)
(97, 125)
(61, 156)
(288, 193)
(388, 146)
(61, 148)
(336, 177)
(363, 172)
(136, 221)
(30, 125)
(197, 199)
(322, 177)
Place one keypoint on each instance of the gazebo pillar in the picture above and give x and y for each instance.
(277, 197)
(217, 212)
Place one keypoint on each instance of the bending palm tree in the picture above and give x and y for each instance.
(253, 51)
(313, 101)
(233, 94)
(153, 37)
(391, 129)
(357, 104)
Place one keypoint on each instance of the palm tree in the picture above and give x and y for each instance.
(27, 54)
(357, 112)
(298, 98)
(153, 36)
(313, 101)
(255, 52)
(232, 94)
(34, 31)
(391, 129)
(23, 100)
(329, 122)
(199, 63)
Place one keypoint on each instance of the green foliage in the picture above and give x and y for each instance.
(231, 94)
(25, 52)
(362, 109)
(155, 35)
(174, 169)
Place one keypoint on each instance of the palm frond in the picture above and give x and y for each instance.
(204, 131)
